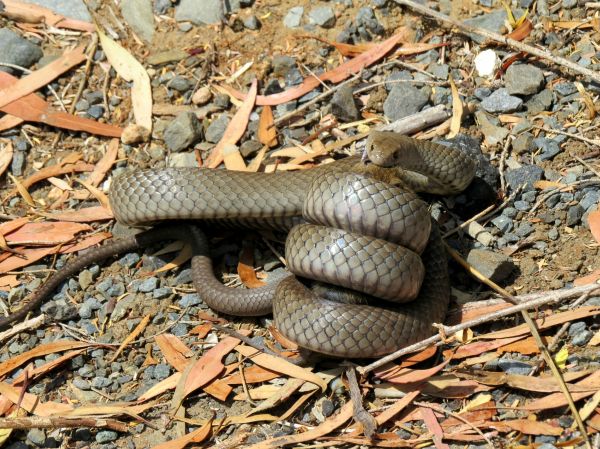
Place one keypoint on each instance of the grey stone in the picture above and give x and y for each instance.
(322, 16)
(553, 234)
(216, 129)
(75, 9)
(249, 147)
(96, 111)
(440, 71)
(493, 134)
(526, 174)
(397, 76)
(252, 22)
(509, 212)
(367, 19)
(523, 143)
(404, 100)
(343, 106)
(574, 214)
(482, 92)
(82, 384)
(189, 300)
(161, 371)
(523, 79)
(210, 12)
(540, 102)
(514, 366)
(161, 292)
(180, 84)
(129, 260)
(161, 6)
(148, 284)
(37, 437)
(501, 101)
(590, 200)
(576, 328)
(522, 205)
(549, 147)
(327, 408)
(122, 308)
(493, 21)
(139, 15)
(17, 50)
(293, 18)
(565, 88)
(18, 163)
(492, 265)
(106, 436)
(582, 338)
(82, 105)
(183, 160)
(100, 382)
(524, 229)
(182, 132)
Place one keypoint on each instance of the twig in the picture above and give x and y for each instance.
(536, 300)
(464, 28)
(55, 422)
(361, 416)
(29, 325)
(502, 164)
(419, 121)
(588, 166)
(571, 135)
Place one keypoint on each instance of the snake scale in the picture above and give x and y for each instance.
(358, 225)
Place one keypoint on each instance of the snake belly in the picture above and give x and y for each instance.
(378, 220)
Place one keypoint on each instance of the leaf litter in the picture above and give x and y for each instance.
(199, 363)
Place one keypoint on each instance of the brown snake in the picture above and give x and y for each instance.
(373, 234)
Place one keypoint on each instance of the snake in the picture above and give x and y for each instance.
(356, 223)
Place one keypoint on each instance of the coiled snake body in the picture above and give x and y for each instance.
(374, 235)
(378, 232)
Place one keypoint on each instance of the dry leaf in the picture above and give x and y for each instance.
(281, 366)
(83, 215)
(457, 111)
(594, 223)
(246, 271)
(45, 233)
(41, 77)
(336, 75)
(132, 336)
(131, 70)
(32, 108)
(197, 436)
(522, 31)
(267, 133)
(434, 427)
(6, 155)
(234, 132)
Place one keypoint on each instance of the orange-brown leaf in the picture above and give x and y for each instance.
(46, 233)
(246, 271)
(234, 132)
(83, 215)
(267, 133)
(594, 222)
(522, 31)
(336, 75)
(41, 77)
(32, 108)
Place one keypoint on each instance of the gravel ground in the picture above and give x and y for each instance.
(529, 129)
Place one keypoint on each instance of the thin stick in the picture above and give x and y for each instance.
(361, 416)
(55, 422)
(571, 135)
(464, 28)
